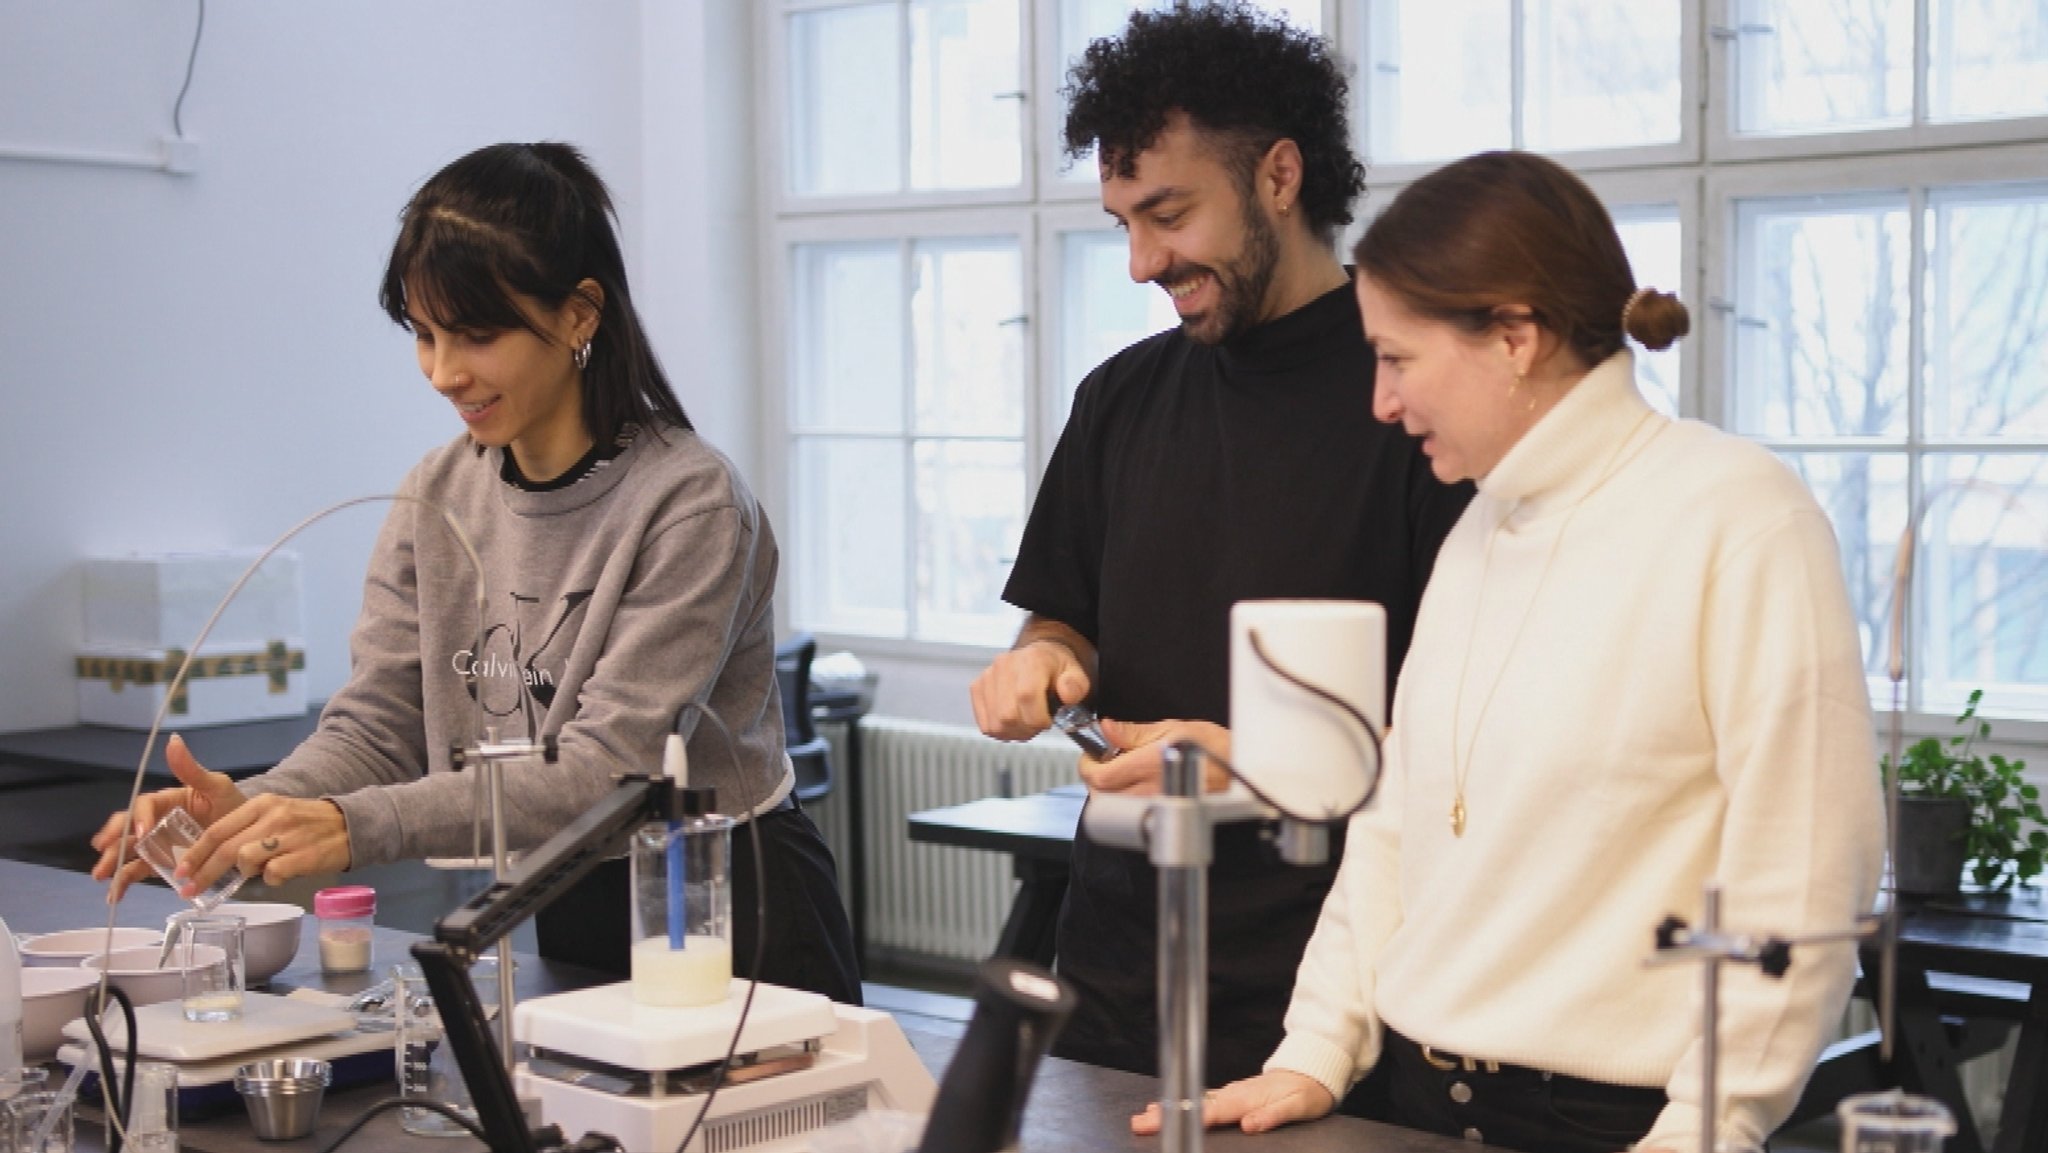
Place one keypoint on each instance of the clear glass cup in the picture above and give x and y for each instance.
(427, 1069)
(1894, 1122)
(166, 845)
(28, 1113)
(153, 1119)
(210, 954)
(682, 912)
(26, 1079)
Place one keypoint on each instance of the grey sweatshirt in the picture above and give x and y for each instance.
(609, 605)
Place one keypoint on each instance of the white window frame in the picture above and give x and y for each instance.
(1355, 27)
(1910, 174)
(773, 27)
(1725, 144)
(778, 416)
(1703, 173)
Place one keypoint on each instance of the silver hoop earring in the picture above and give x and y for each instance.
(581, 356)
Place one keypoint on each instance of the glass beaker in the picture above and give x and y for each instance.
(210, 954)
(1894, 1122)
(166, 845)
(427, 1069)
(682, 911)
(153, 1118)
(43, 1112)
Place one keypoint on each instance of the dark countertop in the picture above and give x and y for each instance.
(238, 750)
(1074, 1107)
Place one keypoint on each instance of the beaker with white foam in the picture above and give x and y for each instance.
(682, 907)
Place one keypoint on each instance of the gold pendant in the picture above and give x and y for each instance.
(1458, 816)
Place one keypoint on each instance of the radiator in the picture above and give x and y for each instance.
(936, 901)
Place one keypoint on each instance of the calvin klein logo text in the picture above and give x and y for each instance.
(490, 667)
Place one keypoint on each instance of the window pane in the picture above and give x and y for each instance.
(845, 100)
(966, 95)
(1987, 59)
(848, 547)
(847, 328)
(967, 322)
(1102, 310)
(1083, 21)
(970, 515)
(1987, 312)
(1821, 317)
(1865, 497)
(1982, 567)
(1651, 236)
(1601, 73)
(1805, 67)
(1304, 14)
(1439, 79)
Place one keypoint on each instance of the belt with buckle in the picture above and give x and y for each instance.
(1448, 1062)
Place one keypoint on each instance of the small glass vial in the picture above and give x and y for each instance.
(347, 919)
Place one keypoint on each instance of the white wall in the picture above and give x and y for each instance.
(192, 362)
(695, 281)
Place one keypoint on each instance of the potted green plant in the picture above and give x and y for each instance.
(1960, 809)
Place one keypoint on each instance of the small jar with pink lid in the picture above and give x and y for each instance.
(347, 927)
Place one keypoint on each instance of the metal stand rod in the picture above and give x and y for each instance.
(1888, 950)
(501, 868)
(1710, 1023)
(1183, 954)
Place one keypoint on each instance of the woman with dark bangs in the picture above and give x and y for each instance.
(629, 576)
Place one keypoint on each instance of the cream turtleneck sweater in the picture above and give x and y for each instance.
(1637, 654)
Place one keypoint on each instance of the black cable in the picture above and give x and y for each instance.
(178, 109)
(760, 935)
(390, 1103)
(117, 1092)
(1373, 736)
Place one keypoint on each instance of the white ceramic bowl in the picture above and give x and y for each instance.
(270, 935)
(135, 971)
(49, 998)
(72, 946)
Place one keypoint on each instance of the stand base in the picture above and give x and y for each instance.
(865, 1064)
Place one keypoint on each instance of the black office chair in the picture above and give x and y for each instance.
(808, 752)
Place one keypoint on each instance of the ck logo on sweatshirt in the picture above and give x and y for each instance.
(517, 666)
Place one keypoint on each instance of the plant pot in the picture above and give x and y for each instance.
(1933, 844)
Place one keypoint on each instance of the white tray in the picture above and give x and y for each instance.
(195, 1074)
(267, 1022)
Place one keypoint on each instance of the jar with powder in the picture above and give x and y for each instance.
(347, 918)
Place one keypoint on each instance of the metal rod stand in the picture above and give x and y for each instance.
(1181, 848)
(1710, 948)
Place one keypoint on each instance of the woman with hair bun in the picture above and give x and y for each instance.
(1634, 671)
(628, 577)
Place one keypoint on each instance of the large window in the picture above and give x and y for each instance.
(1893, 344)
(907, 434)
(1850, 195)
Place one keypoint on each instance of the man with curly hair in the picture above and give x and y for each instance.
(1232, 458)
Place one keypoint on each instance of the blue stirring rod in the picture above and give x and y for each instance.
(676, 767)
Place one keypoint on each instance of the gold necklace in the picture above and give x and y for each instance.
(1461, 766)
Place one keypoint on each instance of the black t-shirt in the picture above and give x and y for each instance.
(1190, 477)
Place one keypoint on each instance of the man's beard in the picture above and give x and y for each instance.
(1241, 284)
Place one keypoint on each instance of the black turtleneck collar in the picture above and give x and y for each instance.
(1286, 343)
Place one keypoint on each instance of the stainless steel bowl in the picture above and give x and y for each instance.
(283, 1096)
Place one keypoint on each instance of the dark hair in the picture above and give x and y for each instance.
(1246, 80)
(1504, 228)
(532, 220)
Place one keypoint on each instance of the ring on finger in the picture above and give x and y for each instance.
(269, 844)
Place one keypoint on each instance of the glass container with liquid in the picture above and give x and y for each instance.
(682, 907)
(1894, 1122)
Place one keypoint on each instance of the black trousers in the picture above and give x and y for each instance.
(809, 942)
(1514, 1108)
